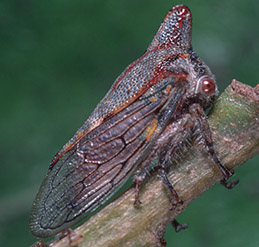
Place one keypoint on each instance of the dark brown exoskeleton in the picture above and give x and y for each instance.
(152, 107)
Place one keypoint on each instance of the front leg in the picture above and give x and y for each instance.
(198, 113)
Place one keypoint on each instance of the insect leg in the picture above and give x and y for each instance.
(176, 200)
(161, 121)
(199, 114)
(140, 175)
(167, 142)
(175, 139)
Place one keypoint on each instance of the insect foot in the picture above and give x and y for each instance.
(229, 185)
(176, 200)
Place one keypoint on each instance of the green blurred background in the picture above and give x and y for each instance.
(59, 58)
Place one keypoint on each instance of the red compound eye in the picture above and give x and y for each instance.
(208, 86)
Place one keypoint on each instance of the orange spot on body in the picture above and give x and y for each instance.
(168, 89)
(79, 134)
(185, 55)
(151, 129)
(152, 99)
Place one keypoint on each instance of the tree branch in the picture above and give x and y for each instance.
(235, 125)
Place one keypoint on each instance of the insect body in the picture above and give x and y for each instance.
(167, 88)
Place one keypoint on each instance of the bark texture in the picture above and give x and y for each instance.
(234, 121)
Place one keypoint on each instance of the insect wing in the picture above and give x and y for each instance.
(91, 171)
